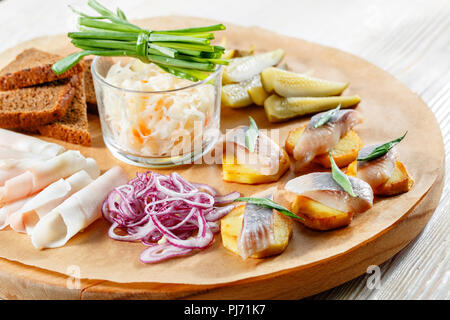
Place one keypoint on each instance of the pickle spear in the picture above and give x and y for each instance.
(257, 92)
(243, 68)
(291, 84)
(279, 109)
(236, 95)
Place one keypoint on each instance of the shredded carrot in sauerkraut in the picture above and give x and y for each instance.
(155, 124)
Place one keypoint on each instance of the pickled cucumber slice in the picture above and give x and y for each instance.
(291, 84)
(243, 68)
(258, 95)
(280, 109)
(229, 54)
(257, 92)
(245, 53)
(236, 95)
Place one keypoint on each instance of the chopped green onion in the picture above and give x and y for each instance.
(186, 53)
(215, 27)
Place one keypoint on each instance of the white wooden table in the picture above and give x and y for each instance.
(408, 38)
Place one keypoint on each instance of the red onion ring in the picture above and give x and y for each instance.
(167, 213)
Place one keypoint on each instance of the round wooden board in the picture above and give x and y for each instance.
(20, 281)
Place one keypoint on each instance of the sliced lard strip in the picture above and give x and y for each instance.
(378, 171)
(266, 156)
(257, 230)
(25, 143)
(14, 162)
(321, 187)
(43, 174)
(8, 155)
(7, 210)
(13, 167)
(24, 219)
(77, 212)
(316, 141)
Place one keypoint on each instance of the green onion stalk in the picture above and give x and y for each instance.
(185, 53)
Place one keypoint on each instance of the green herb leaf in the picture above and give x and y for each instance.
(264, 202)
(251, 135)
(382, 150)
(327, 116)
(340, 177)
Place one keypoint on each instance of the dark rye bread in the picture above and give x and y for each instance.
(89, 89)
(32, 67)
(29, 108)
(73, 126)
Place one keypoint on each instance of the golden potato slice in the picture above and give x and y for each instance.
(231, 225)
(316, 215)
(399, 182)
(352, 169)
(343, 153)
(292, 139)
(319, 216)
(242, 173)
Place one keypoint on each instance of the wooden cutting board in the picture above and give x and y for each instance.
(21, 281)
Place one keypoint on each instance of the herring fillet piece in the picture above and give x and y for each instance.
(38, 206)
(378, 171)
(321, 187)
(315, 141)
(77, 212)
(25, 143)
(266, 156)
(257, 230)
(43, 174)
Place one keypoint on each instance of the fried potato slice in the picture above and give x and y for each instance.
(231, 225)
(343, 153)
(242, 173)
(317, 215)
(399, 182)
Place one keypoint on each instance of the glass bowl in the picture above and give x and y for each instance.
(146, 126)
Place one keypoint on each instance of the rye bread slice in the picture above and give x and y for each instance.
(89, 89)
(32, 67)
(30, 108)
(73, 126)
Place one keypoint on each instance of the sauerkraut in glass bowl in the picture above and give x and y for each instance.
(151, 118)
